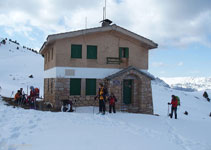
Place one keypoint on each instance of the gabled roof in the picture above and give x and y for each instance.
(143, 72)
(114, 27)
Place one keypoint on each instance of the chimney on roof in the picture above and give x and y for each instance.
(106, 22)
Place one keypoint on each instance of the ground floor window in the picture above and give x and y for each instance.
(90, 86)
(75, 86)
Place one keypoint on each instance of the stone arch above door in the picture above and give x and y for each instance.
(142, 93)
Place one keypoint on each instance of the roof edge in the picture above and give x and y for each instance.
(53, 37)
(143, 72)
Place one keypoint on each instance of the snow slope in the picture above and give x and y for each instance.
(15, 67)
(35, 130)
(199, 84)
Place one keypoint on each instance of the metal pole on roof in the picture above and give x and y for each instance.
(86, 23)
(105, 9)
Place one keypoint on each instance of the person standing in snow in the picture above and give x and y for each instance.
(205, 95)
(18, 97)
(112, 100)
(102, 98)
(32, 98)
(173, 104)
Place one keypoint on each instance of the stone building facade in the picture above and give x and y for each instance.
(76, 62)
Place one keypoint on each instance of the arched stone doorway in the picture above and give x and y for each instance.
(131, 92)
(132, 88)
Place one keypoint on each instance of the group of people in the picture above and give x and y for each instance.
(103, 96)
(21, 98)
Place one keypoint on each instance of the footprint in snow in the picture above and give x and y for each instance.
(16, 129)
(32, 127)
(15, 135)
(31, 122)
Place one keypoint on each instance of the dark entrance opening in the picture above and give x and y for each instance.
(127, 91)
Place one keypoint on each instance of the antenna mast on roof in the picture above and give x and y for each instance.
(104, 11)
(85, 22)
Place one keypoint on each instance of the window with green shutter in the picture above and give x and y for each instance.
(76, 51)
(75, 86)
(90, 86)
(91, 52)
(123, 52)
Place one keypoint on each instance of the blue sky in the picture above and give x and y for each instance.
(181, 28)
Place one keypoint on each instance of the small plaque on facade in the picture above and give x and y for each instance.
(116, 82)
(69, 72)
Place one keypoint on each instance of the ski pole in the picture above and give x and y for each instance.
(168, 111)
(94, 106)
(12, 93)
(75, 105)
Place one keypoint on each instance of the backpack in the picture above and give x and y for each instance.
(37, 92)
(178, 101)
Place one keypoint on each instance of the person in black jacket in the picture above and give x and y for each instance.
(205, 95)
(112, 100)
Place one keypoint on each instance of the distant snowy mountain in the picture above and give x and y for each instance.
(189, 83)
(160, 82)
(17, 63)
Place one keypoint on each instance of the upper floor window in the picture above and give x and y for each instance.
(91, 52)
(123, 52)
(52, 54)
(76, 51)
(46, 57)
(49, 56)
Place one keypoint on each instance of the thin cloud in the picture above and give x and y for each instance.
(158, 64)
(180, 64)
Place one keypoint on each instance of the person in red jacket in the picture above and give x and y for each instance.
(112, 100)
(173, 106)
(32, 98)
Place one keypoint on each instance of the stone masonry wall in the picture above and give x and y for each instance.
(141, 93)
(58, 89)
(62, 91)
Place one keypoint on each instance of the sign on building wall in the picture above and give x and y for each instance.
(116, 83)
(69, 72)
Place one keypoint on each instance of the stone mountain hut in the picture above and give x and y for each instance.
(76, 62)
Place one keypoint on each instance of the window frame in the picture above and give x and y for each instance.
(123, 52)
(89, 91)
(71, 82)
(74, 48)
(89, 53)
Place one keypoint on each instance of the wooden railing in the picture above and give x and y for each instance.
(113, 60)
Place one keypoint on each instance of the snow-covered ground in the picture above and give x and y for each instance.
(35, 130)
(16, 65)
(195, 83)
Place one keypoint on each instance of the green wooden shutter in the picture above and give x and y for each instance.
(120, 52)
(126, 52)
(76, 51)
(90, 86)
(91, 52)
(123, 52)
(75, 86)
(127, 91)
